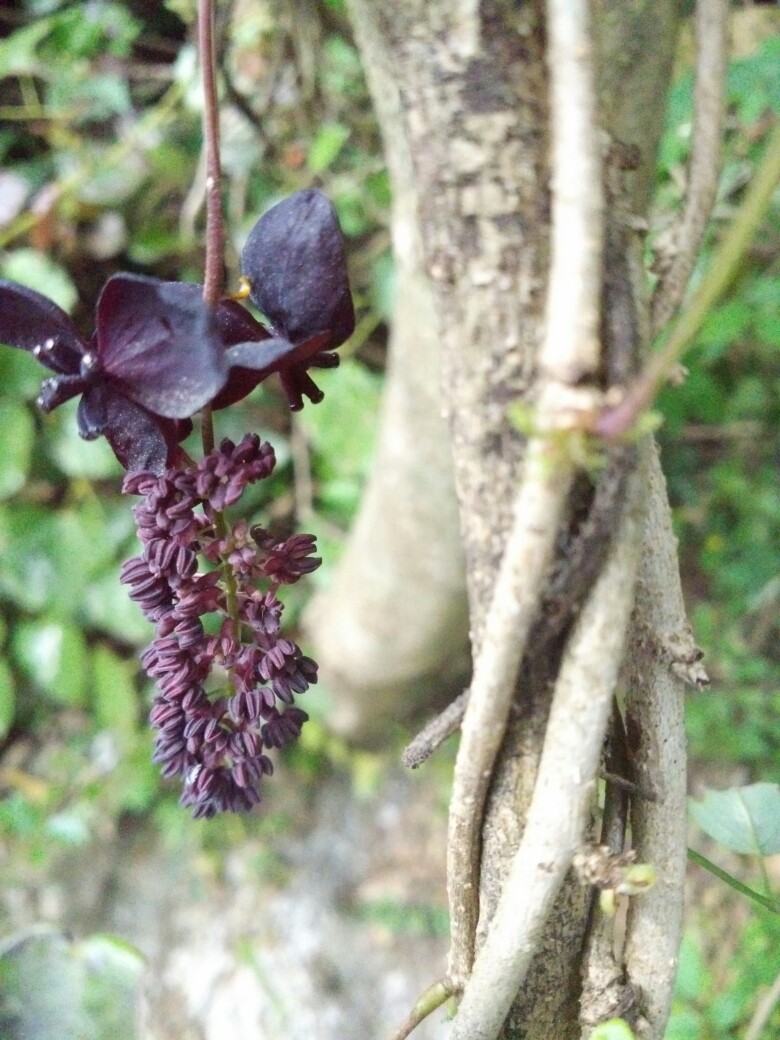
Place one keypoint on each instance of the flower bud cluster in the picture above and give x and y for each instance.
(192, 565)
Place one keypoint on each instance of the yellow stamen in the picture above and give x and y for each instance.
(244, 289)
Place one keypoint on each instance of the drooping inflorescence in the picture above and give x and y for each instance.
(225, 694)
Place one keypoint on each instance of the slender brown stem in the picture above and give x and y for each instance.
(215, 225)
(213, 277)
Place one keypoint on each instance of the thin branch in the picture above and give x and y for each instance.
(704, 167)
(572, 348)
(215, 225)
(560, 807)
(526, 560)
(435, 732)
(434, 996)
(569, 353)
(614, 422)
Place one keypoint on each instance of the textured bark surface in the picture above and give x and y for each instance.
(661, 659)
(473, 96)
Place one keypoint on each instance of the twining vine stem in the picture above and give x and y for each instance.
(568, 355)
(562, 797)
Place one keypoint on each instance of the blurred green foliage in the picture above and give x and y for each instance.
(721, 440)
(54, 989)
(721, 448)
(99, 171)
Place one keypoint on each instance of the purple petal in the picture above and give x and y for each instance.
(33, 322)
(251, 363)
(236, 325)
(56, 390)
(160, 342)
(141, 441)
(265, 357)
(294, 260)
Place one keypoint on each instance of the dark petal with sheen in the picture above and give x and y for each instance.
(92, 414)
(141, 441)
(265, 357)
(33, 322)
(251, 363)
(240, 383)
(160, 341)
(294, 260)
(56, 390)
(236, 325)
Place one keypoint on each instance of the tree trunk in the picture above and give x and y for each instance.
(391, 631)
(472, 85)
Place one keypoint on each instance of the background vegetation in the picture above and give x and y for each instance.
(100, 171)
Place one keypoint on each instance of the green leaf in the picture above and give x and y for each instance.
(54, 989)
(744, 819)
(18, 436)
(20, 375)
(684, 1024)
(69, 827)
(693, 978)
(108, 608)
(342, 427)
(17, 51)
(47, 560)
(95, 97)
(38, 271)
(7, 699)
(53, 655)
(27, 574)
(327, 143)
(113, 690)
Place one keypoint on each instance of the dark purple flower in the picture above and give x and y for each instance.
(285, 562)
(159, 354)
(155, 358)
(295, 265)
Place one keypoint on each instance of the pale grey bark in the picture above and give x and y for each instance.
(391, 631)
